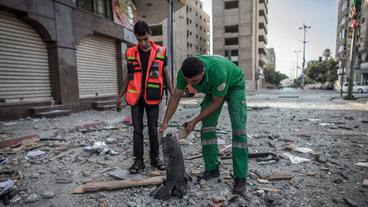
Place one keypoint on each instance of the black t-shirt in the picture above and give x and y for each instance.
(144, 58)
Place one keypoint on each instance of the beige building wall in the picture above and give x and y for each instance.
(240, 33)
(191, 32)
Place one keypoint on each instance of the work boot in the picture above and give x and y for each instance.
(240, 186)
(207, 175)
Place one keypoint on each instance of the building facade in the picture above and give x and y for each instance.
(240, 30)
(343, 44)
(191, 32)
(62, 56)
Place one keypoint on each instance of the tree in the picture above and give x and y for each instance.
(326, 53)
(322, 71)
(273, 77)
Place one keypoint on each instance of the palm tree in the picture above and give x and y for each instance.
(327, 53)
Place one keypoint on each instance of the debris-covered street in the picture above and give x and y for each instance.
(320, 142)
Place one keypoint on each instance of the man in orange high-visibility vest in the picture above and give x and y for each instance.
(143, 90)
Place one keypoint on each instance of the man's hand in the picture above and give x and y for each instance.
(163, 126)
(118, 104)
(190, 126)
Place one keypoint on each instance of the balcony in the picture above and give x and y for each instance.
(364, 66)
(263, 8)
(262, 60)
(263, 38)
(264, 3)
(154, 12)
(262, 25)
(262, 48)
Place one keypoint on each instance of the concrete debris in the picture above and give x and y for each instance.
(48, 194)
(326, 124)
(338, 166)
(351, 202)
(361, 164)
(365, 183)
(32, 198)
(35, 153)
(6, 186)
(295, 159)
(101, 148)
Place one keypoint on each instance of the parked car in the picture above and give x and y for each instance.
(356, 88)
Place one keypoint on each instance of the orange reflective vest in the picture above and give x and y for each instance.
(154, 77)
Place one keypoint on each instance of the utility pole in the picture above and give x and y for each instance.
(170, 38)
(355, 5)
(297, 65)
(304, 28)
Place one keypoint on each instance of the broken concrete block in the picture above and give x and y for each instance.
(295, 159)
(361, 164)
(365, 183)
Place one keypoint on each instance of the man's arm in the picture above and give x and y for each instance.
(122, 93)
(217, 101)
(168, 80)
(171, 108)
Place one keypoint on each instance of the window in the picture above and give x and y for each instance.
(102, 8)
(156, 30)
(229, 53)
(231, 4)
(187, 21)
(232, 29)
(187, 33)
(231, 41)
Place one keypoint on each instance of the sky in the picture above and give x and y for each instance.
(285, 17)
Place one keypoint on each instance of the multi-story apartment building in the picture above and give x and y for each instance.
(191, 32)
(240, 33)
(343, 43)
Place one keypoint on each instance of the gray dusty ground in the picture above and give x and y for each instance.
(336, 130)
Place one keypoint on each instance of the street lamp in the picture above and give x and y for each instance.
(297, 59)
(305, 28)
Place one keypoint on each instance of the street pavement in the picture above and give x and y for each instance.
(320, 140)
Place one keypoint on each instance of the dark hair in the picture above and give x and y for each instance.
(191, 67)
(141, 28)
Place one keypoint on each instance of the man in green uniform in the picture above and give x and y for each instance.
(221, 80)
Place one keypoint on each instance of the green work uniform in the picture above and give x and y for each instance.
(222, 78)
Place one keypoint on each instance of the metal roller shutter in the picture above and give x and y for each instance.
(24, 68)
(97, 67)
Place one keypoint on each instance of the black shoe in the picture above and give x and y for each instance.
(207, 175)
(137, 167)
(240, 186)
(158, 164)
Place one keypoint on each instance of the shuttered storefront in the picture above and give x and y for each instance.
(24, 68)
(97, 67)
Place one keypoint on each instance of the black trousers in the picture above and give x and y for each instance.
(152, 112)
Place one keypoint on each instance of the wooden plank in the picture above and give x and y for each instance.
(118, 184)
(278, 177)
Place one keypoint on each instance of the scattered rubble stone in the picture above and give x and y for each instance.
(32, 198)
(48, 194)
